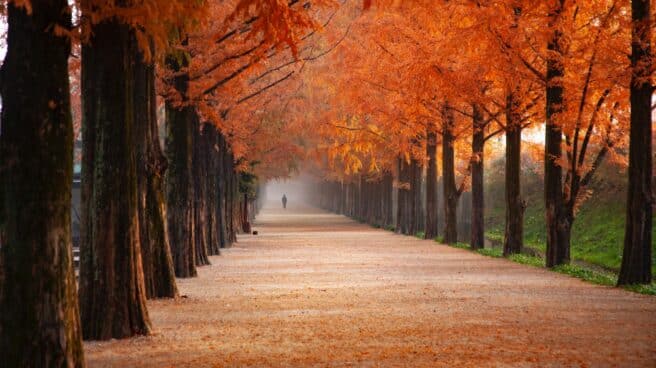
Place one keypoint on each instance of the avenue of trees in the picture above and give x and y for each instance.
(374, 101)
(436, 89)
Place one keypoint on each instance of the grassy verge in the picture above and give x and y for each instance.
(597, 234)
(607, 278)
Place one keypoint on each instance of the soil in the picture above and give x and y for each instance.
(319, 290)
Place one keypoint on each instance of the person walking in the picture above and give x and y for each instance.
(284, 201)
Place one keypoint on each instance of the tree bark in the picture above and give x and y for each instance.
(431, 183)
(179, 184)
(112, 291)
(418, 217)
(637, 257)
(557, 250)
(451, 194)
(210, 144)
(221, 189)
(514, 232)
(39, 322)
(199, 178)
(477, 170)
(159, 276)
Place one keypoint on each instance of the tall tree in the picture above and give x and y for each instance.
(637, 257)
(557, 250)
(40, 322)
(432, 207)
(112, 292)
(179, 189)
(451, 191)
(159, 276)
(477, 171)
(514, 233)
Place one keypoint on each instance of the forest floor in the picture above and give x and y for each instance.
(316, 289)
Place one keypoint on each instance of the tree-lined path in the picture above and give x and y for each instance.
(317, 289)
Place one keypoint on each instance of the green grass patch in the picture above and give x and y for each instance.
(587, 274)
(527, 260)
(642, 289)
(460, 245)
(420, 234)
(491, 252)
(439, 239)
(607, 278)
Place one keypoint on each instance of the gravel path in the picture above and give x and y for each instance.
(315, 289)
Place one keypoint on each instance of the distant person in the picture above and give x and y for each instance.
(284, 201)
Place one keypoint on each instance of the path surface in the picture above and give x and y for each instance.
(315, 289)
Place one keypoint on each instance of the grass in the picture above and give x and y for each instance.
(493, 252)
(607, 278)
(420, 235)
(597, 233)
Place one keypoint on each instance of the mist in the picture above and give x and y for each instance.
(299, 191)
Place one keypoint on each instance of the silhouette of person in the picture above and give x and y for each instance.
(284, 201)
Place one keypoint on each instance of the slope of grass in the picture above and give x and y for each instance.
(598, 231)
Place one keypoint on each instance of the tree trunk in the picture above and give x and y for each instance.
(418, 217)
(477, 170)
(431, 184)
(388, 207)
(221, 190)
(448, 171)
(514, 232)
(39, 322)
(159, 276)
(199, 179)
(112, 292)
(557, 250)
(180, 120)
(636, 259)
(245, 223)
(210, 144)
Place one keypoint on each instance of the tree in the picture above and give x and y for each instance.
(637, 257)
(159, 275)
(112, 291)
(431, 183)
(180, 118)
(40, 322)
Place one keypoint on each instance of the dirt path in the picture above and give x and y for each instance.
(315, 289)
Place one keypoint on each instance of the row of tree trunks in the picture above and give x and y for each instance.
(202, 186)
(369, 201)
(39, 322)
(112, 292)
